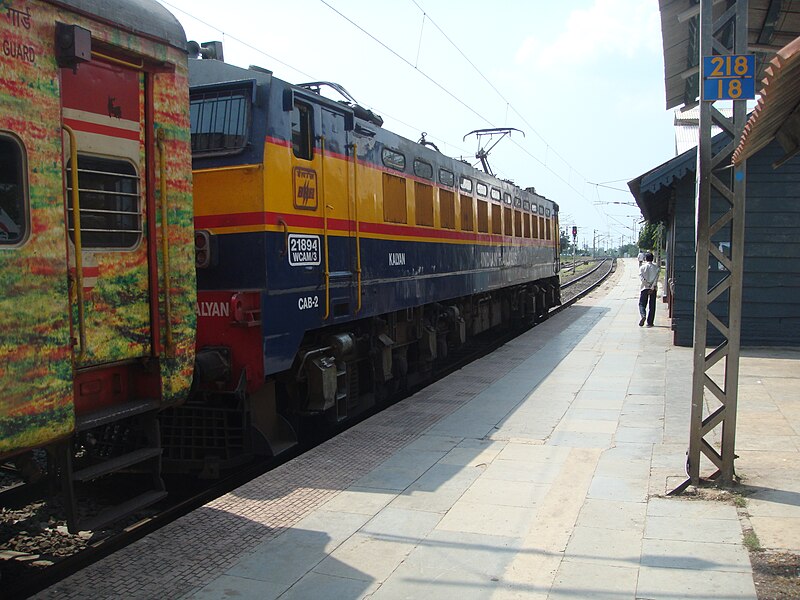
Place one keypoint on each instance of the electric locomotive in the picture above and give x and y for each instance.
(337, 262)
(97, 314)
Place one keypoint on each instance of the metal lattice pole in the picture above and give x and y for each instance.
(720, 258)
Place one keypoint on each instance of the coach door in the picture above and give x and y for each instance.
(338, 205)
(103, 120)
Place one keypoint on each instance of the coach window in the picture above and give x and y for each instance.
(13, 192)
(447, 178)
(302, 128)
(423, 169)
(220, 120)
(482, 189)
(110, 209)
(393, 159)
(465, 184)
(496, 194)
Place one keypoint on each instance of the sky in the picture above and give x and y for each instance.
(582, 80)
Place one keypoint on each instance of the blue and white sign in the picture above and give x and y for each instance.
(730, 77)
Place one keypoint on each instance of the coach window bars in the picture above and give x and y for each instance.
(220, 120)
(110, 210)
(13, 192)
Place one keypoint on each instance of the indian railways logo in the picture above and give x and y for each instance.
(305, 189)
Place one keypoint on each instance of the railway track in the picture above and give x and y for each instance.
(36, 551)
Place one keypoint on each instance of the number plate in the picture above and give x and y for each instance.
(304, 250)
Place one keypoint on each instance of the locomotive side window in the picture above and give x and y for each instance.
(447, 178)
(423, 169)
(219, 120)
(467, 217)
(393, 159)
(394, 199)
(465, 184)
(482, 189)
(447, 209)
(423, 201)
(495, 194)
(109, 198)
(13, 193)
(302, 127)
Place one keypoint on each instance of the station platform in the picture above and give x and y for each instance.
(537, 472)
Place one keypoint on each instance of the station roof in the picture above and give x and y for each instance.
(772, 24)
(653, 190)
(777, 115)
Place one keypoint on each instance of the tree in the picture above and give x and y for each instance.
(565, 243)
(650, 236)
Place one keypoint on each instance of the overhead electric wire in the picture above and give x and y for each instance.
(295, 69)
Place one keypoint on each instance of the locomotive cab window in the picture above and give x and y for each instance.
(302, 128)
(13, 193)
(109, 199)
(220, 119)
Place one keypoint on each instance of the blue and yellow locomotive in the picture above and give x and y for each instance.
(337, 261)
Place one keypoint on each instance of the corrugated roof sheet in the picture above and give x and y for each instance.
(777, 114)
(687, 128)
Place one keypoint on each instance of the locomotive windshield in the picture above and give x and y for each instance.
(220, 119)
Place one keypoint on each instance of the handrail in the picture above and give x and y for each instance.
(358, 228)
(283, 224)
(325, 229)
(169, 346)
(78, 242)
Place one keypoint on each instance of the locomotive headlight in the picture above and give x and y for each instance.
(205, 250)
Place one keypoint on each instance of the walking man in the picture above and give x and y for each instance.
(648, 275)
